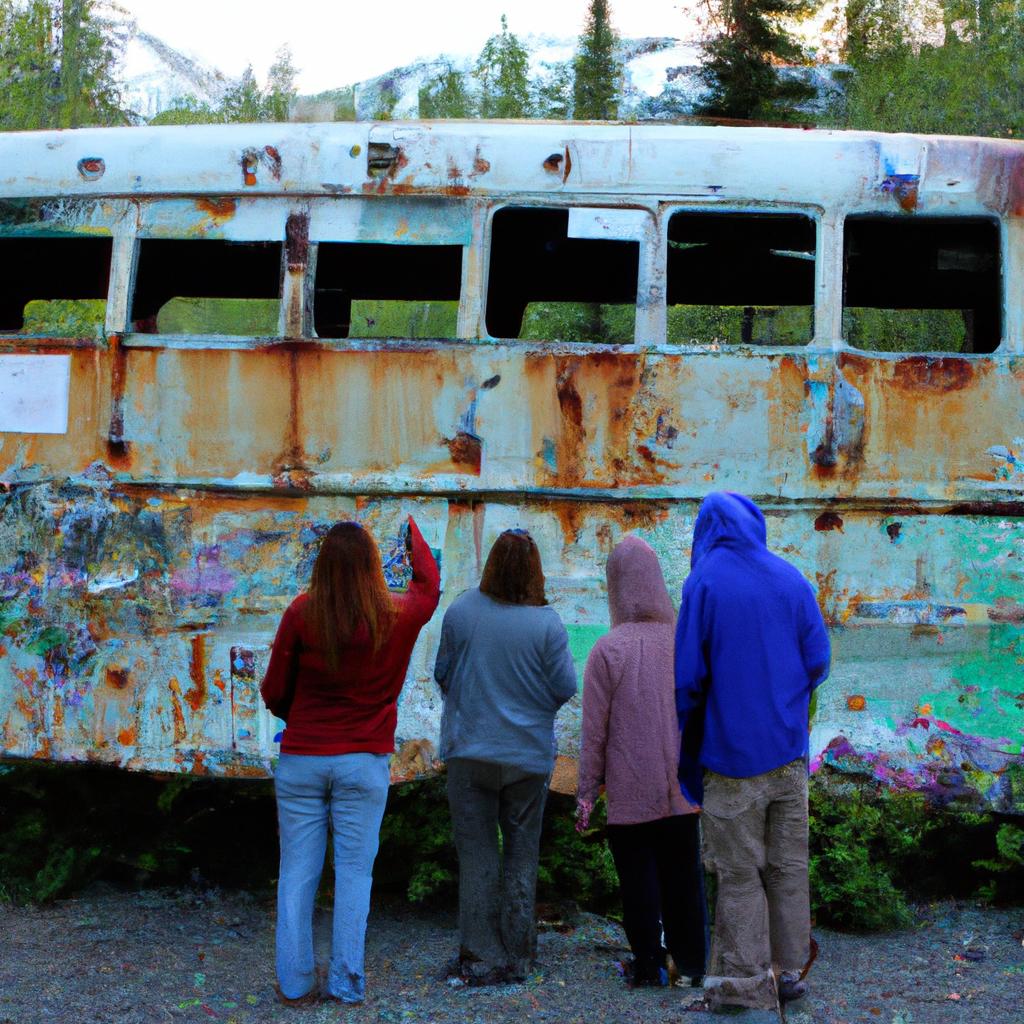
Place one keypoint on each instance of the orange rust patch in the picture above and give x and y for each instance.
(196, 694)
(466, 451)
(828, 521)
(218, 681)
(857, 702)
(117, 677)
(926, 373)
(126, 737)
(177, 712)
(218, 209)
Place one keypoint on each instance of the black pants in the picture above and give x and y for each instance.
(661, 879)
(497, 885)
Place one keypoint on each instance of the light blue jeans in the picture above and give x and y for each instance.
(346, 792)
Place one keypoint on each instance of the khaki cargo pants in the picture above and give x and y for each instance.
(755, 842)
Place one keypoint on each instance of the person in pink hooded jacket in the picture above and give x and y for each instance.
(631, 746)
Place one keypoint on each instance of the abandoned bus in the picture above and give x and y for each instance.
(217, 341)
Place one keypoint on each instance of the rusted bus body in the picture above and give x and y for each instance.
(152, 533)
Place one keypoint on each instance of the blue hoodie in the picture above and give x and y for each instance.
(751, 646)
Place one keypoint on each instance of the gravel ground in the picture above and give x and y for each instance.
(196, 956)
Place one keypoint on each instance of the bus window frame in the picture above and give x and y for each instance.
(264, 217)
(320, 212)
(821, 337)
(646, 279)
(1011, 320)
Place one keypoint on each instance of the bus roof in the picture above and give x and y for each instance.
(462, 158)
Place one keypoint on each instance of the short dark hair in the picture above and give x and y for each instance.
(513, 572)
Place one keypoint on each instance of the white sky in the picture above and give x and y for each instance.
(336, 43)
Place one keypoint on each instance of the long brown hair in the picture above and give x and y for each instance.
(348, 592)
(513, 572)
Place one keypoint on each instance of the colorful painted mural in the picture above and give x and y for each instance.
(222, 341)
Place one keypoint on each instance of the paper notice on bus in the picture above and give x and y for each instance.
(607, 222)
(34, 394)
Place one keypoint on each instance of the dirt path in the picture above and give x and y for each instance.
(153, 957)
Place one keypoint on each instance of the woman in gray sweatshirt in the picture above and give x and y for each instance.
(504, 669)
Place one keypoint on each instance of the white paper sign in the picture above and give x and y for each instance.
(34, 394)
(607, 222)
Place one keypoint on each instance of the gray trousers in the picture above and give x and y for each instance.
(497, 884)
(755, 841)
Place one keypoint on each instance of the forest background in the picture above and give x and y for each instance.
(929, 66)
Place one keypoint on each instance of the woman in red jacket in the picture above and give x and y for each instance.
(336, 669)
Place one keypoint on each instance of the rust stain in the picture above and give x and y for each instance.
(219, 210)
(177, 711)
(857, 702)
(274, 158)
(567, 167)
(829, 521)
(553, 163)
(297, 241)
(480, 165)
(117, 677)
(466, 450)
(926, 373)
(218, 681)
(126, 737)
(1006, 610)
(196, 694)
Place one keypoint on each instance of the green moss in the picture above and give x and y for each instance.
(256, 318)
(65, 318)
(904, 330)
(723, 325)
(578, 321)
(393, 318)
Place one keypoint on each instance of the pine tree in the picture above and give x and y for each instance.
(244, 101)
(738, 66)
(281, 90)
(553, 91)
(446, 95)
(598, 73)
(502, 72)
(58, 63)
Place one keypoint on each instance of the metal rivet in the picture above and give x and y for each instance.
(355, 150)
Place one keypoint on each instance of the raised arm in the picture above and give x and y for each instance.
(278, 686)
(425, 586)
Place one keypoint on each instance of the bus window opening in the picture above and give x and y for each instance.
(379, 290)
(922, 285)
(54, 286)
(547, 286)
(740, 278)
(207, 286)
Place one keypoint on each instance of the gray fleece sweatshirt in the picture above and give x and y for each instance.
(504, 670)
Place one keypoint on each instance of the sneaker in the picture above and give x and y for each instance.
(311, 998)
(646, 977)
(791, 987)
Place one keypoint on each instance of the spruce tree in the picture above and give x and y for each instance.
(281, 90)
(598, 73)
(446, 95)
(58, 62)
(502, 72)
(739, 65)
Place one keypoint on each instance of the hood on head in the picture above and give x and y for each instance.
(636, 586)
(727, 518)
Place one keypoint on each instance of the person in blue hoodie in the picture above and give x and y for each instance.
(751, 647)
